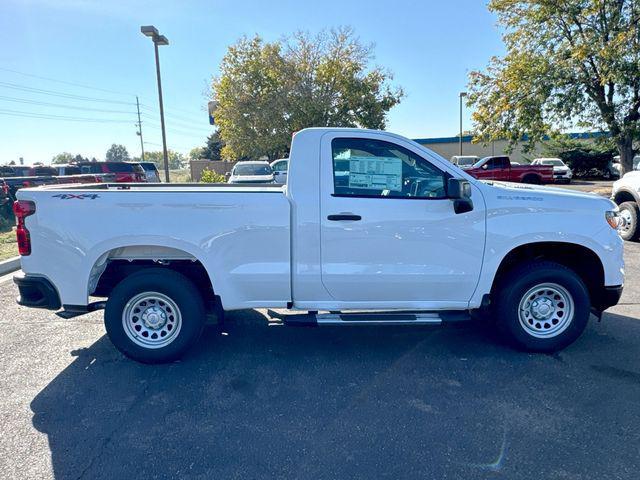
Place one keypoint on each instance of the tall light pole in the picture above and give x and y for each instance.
(151, 31)
(462, 94)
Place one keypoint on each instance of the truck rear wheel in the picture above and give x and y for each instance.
(542, 306)
(532, 179)
(154, 315)
(629, 212)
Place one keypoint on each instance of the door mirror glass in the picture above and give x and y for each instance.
(458, 189)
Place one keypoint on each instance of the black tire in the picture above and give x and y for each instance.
(177, 289)
(631, 231)
(532, 179)
(513, 287)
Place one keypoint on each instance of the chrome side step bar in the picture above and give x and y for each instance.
(313, 319)
(378, 319)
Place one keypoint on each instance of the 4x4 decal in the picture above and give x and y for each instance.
(81, 196)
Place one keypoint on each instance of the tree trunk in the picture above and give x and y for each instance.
(625, 148)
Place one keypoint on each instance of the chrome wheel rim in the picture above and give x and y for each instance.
(546, 310)
(151, 320)
(627, 220)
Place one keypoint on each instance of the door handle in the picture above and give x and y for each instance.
(344, 216)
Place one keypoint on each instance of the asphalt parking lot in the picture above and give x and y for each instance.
(260, 401)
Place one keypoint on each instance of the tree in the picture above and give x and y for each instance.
(176, 159)
(62, 158)
(570, 63)
(117, 153)
(267, 91)
(79, 158)
(196, 153)
(213, 149)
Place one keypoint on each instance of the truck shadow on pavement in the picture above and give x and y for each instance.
(261, 401)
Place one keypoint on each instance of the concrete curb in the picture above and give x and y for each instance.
(8, 266)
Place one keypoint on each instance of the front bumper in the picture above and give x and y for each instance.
(608, 297)
(36, 292)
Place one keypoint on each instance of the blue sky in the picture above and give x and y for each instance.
(430, 46)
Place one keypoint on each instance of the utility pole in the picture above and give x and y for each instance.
(139, 132)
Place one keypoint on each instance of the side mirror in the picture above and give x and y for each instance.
(485, 166)
(227, 174)
(459, 191)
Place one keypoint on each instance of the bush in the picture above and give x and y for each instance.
(585, 159)
(209, 176)
(7, 220)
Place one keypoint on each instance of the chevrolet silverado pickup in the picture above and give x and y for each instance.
(501, 168)
(370, 229)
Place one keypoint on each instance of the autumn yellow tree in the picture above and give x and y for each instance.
(569, 63)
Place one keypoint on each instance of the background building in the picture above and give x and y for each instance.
(450, 146)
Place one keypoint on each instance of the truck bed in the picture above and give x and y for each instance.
(242, 230)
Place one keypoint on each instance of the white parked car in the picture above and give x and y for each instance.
(464, 161)
(561, 172)
(618, 168)
(626, 193)
(251, 172)
(280, 168)
(372, 227)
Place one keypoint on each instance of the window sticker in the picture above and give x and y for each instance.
(376, 173)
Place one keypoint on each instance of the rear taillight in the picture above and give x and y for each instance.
(22, 209)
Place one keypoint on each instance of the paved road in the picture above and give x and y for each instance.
(260, 401)
(602, 187)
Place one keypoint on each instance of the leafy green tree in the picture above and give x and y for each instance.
(117, 153)
(267, 91)
(176, 159)
(62, 158)
(569, 63)
(196, 153)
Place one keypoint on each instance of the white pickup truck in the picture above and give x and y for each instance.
(371, 228)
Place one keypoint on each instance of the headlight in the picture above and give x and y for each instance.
(613, 219)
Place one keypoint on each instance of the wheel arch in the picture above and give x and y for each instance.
(626, 195)
(114, 264)
(581, 259)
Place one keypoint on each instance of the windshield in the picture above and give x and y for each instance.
(480, 162)
(252, 169)
(466, 161)
(554, 162)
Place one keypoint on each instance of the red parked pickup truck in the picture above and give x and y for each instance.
(500, 168)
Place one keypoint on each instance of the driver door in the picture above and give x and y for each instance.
(389, 235)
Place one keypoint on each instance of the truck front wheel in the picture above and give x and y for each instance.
(532, 179)
(542, 306)
(629, 212)
(154, 315)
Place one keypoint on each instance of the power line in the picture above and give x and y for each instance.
(18, 113)
(64, 82)
(58, 105)
(181, 124)
(55, 93)
(188, 112)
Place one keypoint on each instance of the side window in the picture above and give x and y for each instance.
(280, 167)
(375, 168)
